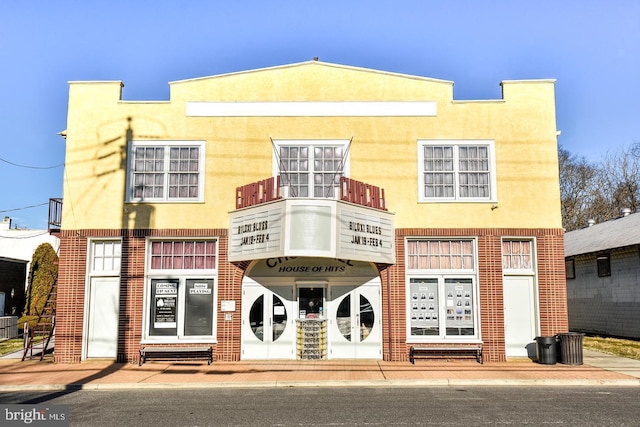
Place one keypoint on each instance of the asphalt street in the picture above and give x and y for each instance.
(350, 406)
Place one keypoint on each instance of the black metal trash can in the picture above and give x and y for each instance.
(546, 349)
(571, 348)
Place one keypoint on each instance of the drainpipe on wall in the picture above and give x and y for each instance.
(389, 314)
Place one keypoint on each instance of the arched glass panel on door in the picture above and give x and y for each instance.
(279, 318)
(343, 317)
(256, 318)
(367, 318)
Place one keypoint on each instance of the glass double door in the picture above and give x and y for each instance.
(268, 327)
(355, 330)
(269, 316)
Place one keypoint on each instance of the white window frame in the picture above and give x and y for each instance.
(441, 275)
(114, 272)
(167, 145)
(310, 143)
(456, 144)
(520, 271)
(92, 273)
(181, 275)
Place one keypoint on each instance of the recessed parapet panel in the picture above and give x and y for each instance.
(256, 232)
(365, 234)
(313, 109)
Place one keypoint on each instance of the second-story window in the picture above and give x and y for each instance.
(165, 171)
(456, 170)
(311, 168)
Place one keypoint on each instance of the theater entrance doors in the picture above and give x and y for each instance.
(268, 327)
(355, 322)
(271, 315)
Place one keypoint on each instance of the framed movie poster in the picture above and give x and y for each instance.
(164, 307)
(424, 307)
(459, 304)
(198, 307)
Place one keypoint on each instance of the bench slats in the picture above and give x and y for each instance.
(416, 352)
(176, 354)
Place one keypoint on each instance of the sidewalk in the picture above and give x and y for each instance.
(32, 375)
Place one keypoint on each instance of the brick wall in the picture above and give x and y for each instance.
(551, 286)
(71, 291)
(72, 276)
(70, 297)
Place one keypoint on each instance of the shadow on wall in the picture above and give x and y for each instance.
(136, 216)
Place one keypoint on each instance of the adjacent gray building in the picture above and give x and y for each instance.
(603, 277)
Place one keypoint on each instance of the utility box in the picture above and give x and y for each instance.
(8, 327)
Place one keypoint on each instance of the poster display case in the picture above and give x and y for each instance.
(459, 306)
(424, 306)
(432, 301)
(164, 297)
(311, 342)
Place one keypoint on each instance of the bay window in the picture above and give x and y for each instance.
(311, 168)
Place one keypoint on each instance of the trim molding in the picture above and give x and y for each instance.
(312, 109)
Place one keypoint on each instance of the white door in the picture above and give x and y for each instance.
(355, 322)
(268, 330)
(102, 325)
(519, 315)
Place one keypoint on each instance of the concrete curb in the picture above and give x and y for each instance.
(307, 384)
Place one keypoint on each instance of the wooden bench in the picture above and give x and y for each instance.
(426, 352)
(176, 354)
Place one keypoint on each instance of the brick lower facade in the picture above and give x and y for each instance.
(552, 306)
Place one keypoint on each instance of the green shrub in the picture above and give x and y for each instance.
(43, 274)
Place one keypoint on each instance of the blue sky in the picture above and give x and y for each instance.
(592, 48)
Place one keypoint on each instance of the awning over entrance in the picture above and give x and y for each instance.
(293, 269)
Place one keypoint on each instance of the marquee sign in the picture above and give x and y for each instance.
(324, 228)
(256, 233)
(365, 233)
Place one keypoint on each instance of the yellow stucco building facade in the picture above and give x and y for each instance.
(369, 206)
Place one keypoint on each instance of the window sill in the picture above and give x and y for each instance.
(449, 200)
(162, 201)
(165, 340)
(439, 340)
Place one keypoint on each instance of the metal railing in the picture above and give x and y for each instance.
(55, 215)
